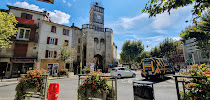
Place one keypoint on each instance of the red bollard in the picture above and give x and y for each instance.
(53, 91)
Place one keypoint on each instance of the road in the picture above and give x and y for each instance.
(163, 90)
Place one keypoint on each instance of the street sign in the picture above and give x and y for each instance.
(190, 40)
(191, 45)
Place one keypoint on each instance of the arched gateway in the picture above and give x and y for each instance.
(98, 62)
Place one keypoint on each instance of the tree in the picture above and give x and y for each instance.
(166, 49)
(67, 53)
(7, 29)
(154, 7)
(201, 32)
(155, 52)
(144, 54)
(130, 51)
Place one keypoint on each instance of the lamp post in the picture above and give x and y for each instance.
(81, 51)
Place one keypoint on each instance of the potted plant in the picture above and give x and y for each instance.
(62, 72)
(32, 81)
(95, 86)
(86, 70)
(197, 88)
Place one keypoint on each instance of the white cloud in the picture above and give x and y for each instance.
(176, 38)
(64, 1)
(165, 20)
(69, 4)
(28, 6)
(59, 17)
(56, 15)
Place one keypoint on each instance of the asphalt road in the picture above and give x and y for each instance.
(163, 90)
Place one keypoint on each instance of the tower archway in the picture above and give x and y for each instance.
(98, 62)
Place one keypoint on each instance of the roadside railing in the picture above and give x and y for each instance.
(186, 79)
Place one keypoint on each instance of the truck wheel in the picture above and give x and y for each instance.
(147, 78)
(162, 77)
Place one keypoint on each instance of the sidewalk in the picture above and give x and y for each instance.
(6, 82)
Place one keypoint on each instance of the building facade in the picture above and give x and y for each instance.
(98, 44)
(36, 45)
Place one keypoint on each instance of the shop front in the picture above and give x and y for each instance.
(21, 66)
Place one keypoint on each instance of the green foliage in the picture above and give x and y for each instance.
(131, 51)
(168, 47)
(7, 29)
(197, 88)
(144, 54)
(201, 32)
(154, 7)
(155, 52)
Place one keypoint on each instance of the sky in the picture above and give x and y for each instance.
(123, 16)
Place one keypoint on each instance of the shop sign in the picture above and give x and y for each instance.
(18, 60)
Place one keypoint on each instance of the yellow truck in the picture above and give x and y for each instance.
(155, 67)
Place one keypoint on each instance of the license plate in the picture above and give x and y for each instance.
(150, 72)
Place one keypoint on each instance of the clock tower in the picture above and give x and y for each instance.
(97, 16)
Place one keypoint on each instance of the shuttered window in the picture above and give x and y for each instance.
(50, 54)
(26, 16)
(66, 32)
(52, 40)
(53, 29)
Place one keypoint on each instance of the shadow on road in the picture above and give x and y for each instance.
(156, 80)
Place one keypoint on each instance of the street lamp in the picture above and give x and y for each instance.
(83, 34)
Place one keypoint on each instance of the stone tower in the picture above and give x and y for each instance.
(97, 16)
(98, 41)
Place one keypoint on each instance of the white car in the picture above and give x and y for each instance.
(120, 72)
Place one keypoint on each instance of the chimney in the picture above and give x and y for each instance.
(72, 24)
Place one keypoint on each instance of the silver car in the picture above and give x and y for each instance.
(120, 72)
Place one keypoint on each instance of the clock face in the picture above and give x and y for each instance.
(98, 17)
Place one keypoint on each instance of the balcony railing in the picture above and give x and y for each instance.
(88, 26)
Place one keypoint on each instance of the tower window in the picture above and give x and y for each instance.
(102, 40)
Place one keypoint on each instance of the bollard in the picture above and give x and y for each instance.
(53, 91)
(18, 74)
(2, 75)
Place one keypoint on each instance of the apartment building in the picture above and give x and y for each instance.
(36, 45)
(52, 37)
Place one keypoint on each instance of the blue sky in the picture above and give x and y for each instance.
(123, 16)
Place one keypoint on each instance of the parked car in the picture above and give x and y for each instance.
(120, 72)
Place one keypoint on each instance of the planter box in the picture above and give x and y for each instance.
(35, 90)
(102, 95)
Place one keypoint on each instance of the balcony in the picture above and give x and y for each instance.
(88, 26)
(25, 21)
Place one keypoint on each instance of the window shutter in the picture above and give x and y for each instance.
(30, 16)
(55, 54)
(46, 55)
(48, 40)
(23, 15)
(55, 29)
(56, 41)
(68, 32)
(63, 31)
